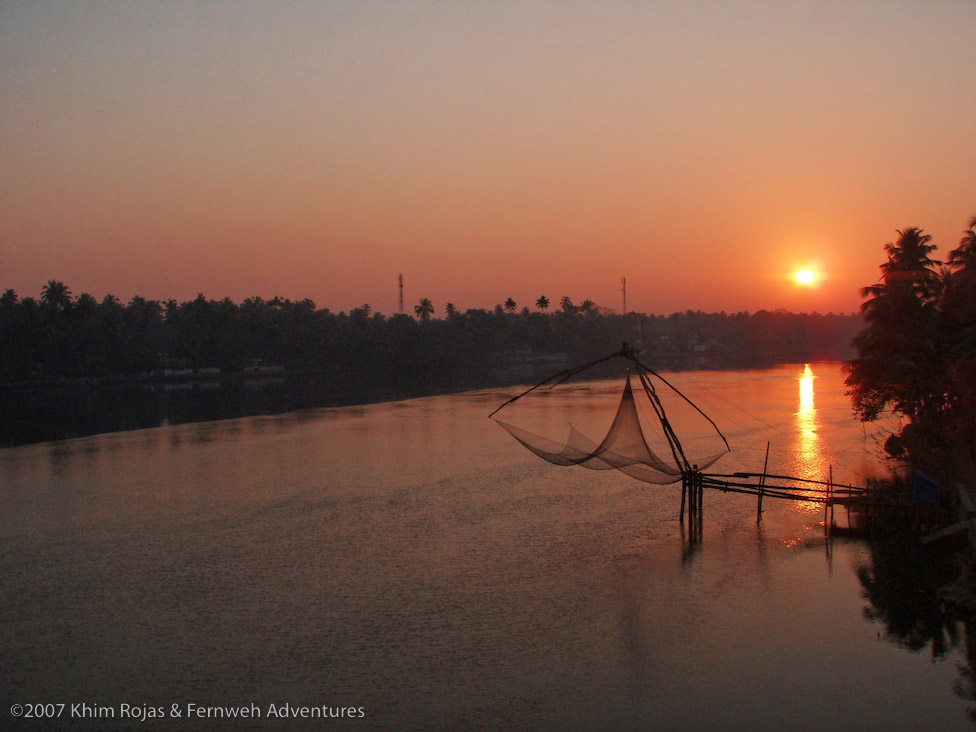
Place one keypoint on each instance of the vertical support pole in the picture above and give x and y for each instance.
(827, 506)
(701, 500)
(762, 485)
(830, 480)
(684, 492)
(701, 490)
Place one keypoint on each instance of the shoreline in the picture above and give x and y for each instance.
(65, 409)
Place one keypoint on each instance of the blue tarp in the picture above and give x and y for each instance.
(925, 488)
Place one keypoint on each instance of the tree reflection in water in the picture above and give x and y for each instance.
(903, 584)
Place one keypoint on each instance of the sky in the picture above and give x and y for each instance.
(706, 151)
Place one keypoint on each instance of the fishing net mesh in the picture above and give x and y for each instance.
(624, 447)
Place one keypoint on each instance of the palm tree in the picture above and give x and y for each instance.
(450, 310)
(964, 256)
(424, 310)
(56, 295)
(567, 304)
(959, 310)
(959, 292)
(510, 305)
(898, 359)
(909, 267)
(915, 354)
(908, 290)
(542, 303)
(587, 306)
(86, 303)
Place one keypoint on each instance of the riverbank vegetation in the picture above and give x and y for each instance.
(62, 336)
(916, 356)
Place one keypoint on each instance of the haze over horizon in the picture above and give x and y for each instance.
(707, 151)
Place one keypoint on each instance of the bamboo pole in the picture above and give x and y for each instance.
(701, 491)
(826, 508)
(762, 485)
(684, 491)
(827, 503)
(832, 502)
(793, 478)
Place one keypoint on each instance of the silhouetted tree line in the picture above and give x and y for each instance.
(61, 336)
(917, 353)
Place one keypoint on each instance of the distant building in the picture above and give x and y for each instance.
(524, 363)
(256, 367)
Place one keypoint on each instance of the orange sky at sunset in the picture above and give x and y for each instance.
(706, 150)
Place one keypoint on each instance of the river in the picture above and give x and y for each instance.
(411, 561)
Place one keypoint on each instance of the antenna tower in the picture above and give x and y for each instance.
(623, 289)
(400, 278)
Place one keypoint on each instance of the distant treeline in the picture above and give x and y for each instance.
(62, 337)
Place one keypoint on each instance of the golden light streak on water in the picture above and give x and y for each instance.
(811, 462)
(806, 392)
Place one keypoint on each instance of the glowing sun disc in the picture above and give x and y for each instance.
(805, 276)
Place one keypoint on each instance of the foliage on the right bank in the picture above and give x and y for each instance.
(916, 355)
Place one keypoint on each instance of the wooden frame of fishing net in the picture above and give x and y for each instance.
(640, 439)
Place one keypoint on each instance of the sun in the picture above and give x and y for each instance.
(805, 277)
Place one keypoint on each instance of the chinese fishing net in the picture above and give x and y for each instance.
(626, 444)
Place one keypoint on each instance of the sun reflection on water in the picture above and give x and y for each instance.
(809, 451)
(807, 415)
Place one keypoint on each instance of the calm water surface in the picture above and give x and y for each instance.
(410, 558)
